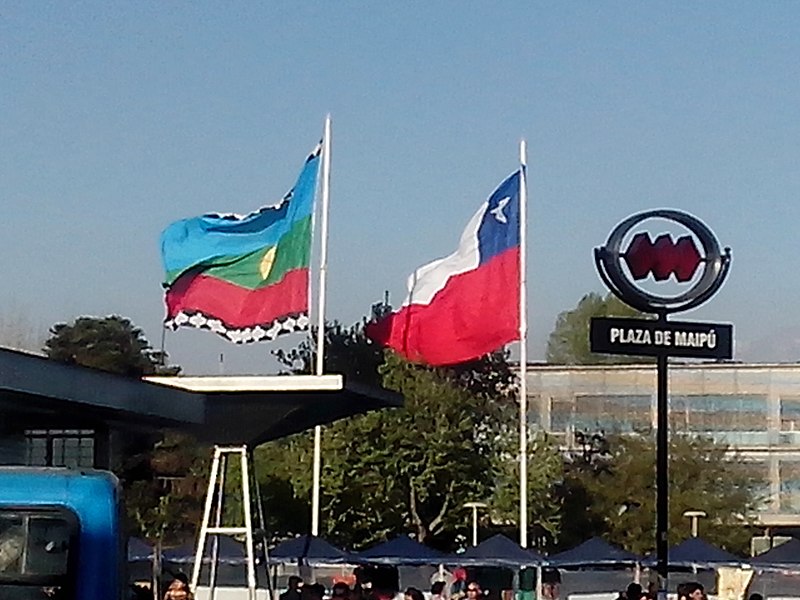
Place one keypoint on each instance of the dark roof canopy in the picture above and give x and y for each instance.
(499, 551)
(220, 410)
(139, 550)
(402, 550)
(785, 555)
(32, 384)
(593, 552)
(230, 552)
(308, 549)
(696, 552)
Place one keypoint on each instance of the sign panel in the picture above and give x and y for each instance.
(640, 337)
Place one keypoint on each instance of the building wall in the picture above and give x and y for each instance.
(753, 408)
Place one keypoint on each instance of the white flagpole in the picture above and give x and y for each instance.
(323, 272)
(523, 350)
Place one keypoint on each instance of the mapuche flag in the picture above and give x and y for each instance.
(245, 278)
(465, 305)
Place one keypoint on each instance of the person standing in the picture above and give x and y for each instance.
(179, 589)
(295, 583)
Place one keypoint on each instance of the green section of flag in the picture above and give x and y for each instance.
(293, 252)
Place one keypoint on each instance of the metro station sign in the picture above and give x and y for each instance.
(690, 266)
(640, 337)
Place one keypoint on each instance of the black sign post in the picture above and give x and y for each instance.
(702, 274)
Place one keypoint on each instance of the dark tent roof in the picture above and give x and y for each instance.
(139, 550)
(499, 551)
(309, 549)
(402, 550)
(231, 552)
(784, 555)
(696, 552)
(593, 552)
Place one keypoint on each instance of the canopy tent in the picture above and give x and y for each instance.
(499, 551)
(783, 557)
(697, 553)
(402, 550)
(594, 552)
(308, 549)
(139, 550)
(230, 551)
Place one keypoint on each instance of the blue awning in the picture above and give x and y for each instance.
(499, 551)
(784, 557)
(594, 552)
(308, 549)
(402, 550)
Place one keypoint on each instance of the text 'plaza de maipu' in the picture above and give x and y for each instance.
(754, 408)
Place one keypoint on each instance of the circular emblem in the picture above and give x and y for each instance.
(696, 273)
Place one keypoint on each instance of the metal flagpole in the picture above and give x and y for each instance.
(523, 351)
(323, 271)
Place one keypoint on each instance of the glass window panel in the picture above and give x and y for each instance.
(716, 413)
(613, 413)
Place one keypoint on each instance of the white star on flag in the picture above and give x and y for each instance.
(497, 211)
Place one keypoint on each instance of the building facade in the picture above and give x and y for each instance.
(754, 408)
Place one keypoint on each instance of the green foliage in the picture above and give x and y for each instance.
(545, 473)
(407, 470)
(165, 485)
(347, 351)
(568, 343)
(112, 344)
(617, 492)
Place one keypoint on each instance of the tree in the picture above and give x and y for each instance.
(406, 470)
(617, 490)
(568, 343)
(112, 344)
(347, 351)
(163, 475)
(545, 473)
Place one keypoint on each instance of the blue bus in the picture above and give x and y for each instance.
(60, 534)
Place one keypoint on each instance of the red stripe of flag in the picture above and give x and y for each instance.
(474, 314)
(235, 306)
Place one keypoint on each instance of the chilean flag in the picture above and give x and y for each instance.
(465, 305)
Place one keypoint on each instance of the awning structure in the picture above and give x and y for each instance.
(499, 551)
(139, 550)
(218, 410)
(402, 550)
(34, 385)
(697, 553)
(230, 552)
(310, 550)
(785, 557)
(255, 409)
(594, 552)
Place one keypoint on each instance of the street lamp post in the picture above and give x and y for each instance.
(695, 516)
(474, 506)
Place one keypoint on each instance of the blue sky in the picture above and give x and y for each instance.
(118, 118)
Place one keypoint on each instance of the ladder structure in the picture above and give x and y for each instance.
(214, 503)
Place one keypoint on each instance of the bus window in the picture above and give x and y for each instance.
(35, 550)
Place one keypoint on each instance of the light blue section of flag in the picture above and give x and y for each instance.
(209, 239)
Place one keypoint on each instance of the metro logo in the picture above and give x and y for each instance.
(662, 258)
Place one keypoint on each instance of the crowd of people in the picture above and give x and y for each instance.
(363, 590)
(460, 589)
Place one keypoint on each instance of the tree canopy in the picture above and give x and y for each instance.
(568, 343)
(609, 490)
(112, 344)
(410, 470)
